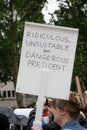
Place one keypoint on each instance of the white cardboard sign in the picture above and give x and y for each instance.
(47, 48)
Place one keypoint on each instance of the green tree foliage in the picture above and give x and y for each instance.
(13, 15)
(71, 14)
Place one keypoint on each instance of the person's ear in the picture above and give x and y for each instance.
(63, 111)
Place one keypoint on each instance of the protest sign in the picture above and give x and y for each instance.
(47, 48)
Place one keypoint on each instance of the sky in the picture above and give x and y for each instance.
(49, 8)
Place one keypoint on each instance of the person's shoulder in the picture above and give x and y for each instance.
(78, 127)
(82, 128)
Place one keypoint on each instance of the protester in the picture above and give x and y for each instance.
(4, 123)
(66, 112)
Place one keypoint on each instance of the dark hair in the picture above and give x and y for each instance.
(4, 123)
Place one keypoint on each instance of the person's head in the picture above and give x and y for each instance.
(4, 123)
(65, 110)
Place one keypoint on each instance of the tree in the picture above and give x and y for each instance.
(71, 14)
(13, 15)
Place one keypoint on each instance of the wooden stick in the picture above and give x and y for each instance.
(78, 85)
(42, 93)
(40, 102)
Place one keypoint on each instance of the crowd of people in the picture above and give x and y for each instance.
(63, 114)
(67, 114)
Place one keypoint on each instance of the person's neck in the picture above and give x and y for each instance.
(64, 121)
